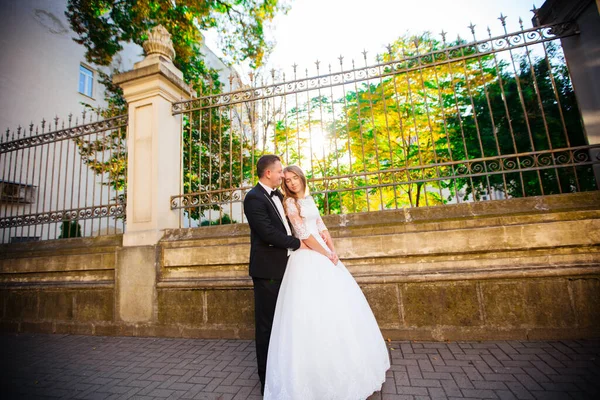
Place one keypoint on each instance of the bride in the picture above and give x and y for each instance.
(325, 342)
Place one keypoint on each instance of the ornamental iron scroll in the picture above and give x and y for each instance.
(108, 210)
(64, 134)
(409, 63)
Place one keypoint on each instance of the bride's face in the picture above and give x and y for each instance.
(293, 182)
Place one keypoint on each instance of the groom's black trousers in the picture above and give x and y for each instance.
(265, 300)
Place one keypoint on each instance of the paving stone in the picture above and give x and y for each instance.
(479, 394)
(95, 367)
(425, 382)
(437, 393)
(451, 388)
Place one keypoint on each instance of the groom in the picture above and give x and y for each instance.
(271, 243)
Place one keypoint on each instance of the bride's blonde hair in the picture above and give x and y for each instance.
(287, 192)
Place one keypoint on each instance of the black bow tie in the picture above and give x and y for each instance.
(277, 193)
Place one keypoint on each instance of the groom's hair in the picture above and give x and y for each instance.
(264, 163)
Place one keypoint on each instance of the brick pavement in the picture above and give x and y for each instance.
(97, 367)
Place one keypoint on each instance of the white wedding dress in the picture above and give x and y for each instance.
(325, 343)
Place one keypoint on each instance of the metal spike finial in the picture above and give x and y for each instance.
(43, 124)
(378, 58)
(329, 67)
(231, 79)
(31, 128)
(251, 75)
(502, 19)
(489, 31)
(294, 66)
(416, 41)
(273, 73)
(70, 118)
(317, 63)
(83, 116)
(389, 49)
(19, 131)
(534, 9)
(353, 64)
(443, 34)
(341, 58)
(364, 53)
(472, 27)
(56, 121)
(521, 23)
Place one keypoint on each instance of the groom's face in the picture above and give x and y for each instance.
(275, 174)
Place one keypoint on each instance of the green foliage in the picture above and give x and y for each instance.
(103, 25)
(394, 142)
(69, 229)
(224, 220)
(524, 114)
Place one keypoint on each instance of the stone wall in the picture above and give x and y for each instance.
(62, 286)
(511, 269)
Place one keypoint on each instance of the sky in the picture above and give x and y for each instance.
(325, 29)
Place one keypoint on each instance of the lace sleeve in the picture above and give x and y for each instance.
(296, 220)
(320, 224)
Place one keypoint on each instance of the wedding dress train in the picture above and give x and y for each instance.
(325, 343)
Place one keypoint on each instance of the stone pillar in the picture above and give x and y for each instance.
(153, 172)
(582, 53)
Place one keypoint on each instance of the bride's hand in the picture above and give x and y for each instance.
(323, 236)
(333, 257)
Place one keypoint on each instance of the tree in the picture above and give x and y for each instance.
(528, 102)
(70, 229)
(398, 123)
(414, 136)
(103, 25)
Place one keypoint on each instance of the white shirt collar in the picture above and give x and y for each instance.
(268, 189)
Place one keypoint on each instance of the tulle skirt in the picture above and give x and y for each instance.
(325, 343)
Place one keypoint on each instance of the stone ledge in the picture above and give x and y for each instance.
(97, 244)
(483, 213)
(107, 284)
(150, 70)
(399, 275)
(443, 333)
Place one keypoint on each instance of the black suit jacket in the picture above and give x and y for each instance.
(269, 240)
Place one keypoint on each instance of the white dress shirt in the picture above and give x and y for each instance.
(279, 208)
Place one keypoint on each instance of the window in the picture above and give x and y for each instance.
(12, 192)
(86, 81)
(24, 239)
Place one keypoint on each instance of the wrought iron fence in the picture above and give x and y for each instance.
(63, 180)
(433, 122)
